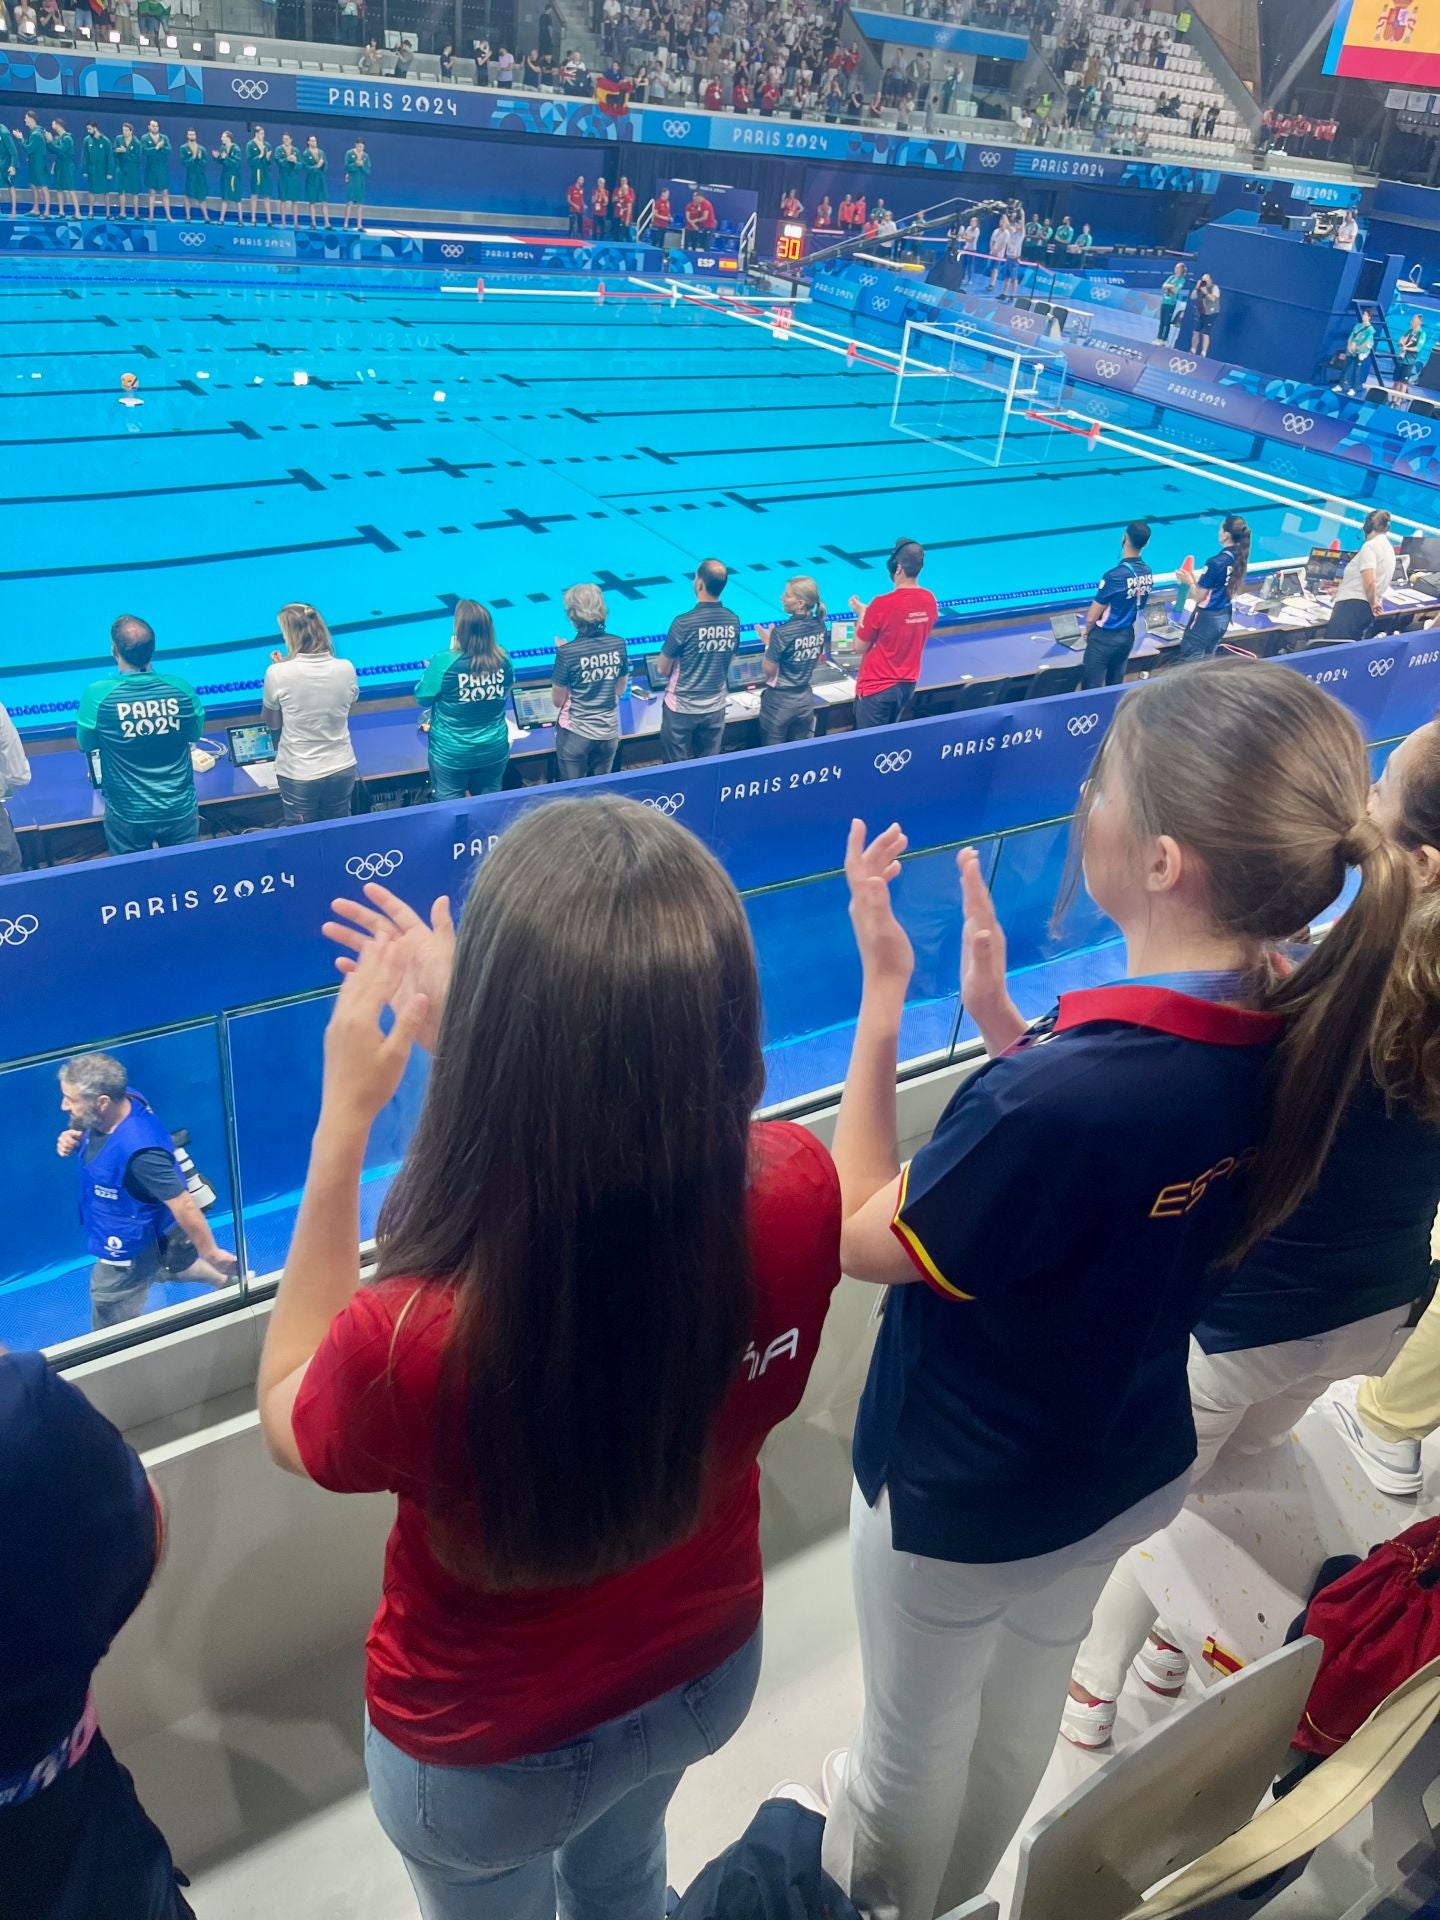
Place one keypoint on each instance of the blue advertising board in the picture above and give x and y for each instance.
(153, 938)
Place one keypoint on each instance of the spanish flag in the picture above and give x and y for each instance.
(612, 96)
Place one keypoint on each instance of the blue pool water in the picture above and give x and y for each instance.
(502, 450)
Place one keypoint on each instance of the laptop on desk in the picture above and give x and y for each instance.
(1068, 630)
(533, 707)
(250, 746)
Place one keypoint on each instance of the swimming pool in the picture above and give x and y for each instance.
(501, 449)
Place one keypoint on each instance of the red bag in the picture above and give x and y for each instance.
(1379, 1623)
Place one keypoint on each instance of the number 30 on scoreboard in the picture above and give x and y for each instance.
(791, 243)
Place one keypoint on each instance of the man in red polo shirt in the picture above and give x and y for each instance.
(599, 207)
(699, 220)
(891, 639)
(575, 201)
(661, 220)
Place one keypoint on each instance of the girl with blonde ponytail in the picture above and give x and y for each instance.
(1326, 1294)
(1027, 1419)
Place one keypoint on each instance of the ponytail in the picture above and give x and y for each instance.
(1405, 1051)
(1264, 779)
(1239, 532)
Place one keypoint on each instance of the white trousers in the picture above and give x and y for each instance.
(965, 1670)
(1256, 1397)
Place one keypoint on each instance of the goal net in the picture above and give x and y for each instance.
(966, 390)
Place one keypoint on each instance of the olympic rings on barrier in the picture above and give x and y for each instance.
(374, 866)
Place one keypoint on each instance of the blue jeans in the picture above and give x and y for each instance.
(1204, 634)
(580, 1830)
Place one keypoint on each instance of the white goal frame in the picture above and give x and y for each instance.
(1017, 387)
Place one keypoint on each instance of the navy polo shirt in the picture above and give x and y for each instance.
(1122, 592)
(1064, 1217)
(1360, 1244)
(1216, 577)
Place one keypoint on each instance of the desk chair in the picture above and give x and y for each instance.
(959, 699)
(1056, 680)
(1166, 1798)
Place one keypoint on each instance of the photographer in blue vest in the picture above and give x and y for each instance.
(142, 1224)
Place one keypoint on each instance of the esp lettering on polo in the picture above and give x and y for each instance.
(1174, 1202)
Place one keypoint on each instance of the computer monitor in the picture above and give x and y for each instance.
(745, 672)
(1288, 584)
(656, 673)
(1402, 570)
(92, 762)
(250, 746)
(1422, 550)
(533, 707)
(1067, 629)
(1325, 566)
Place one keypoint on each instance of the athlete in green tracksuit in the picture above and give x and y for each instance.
(37, 166)
(128, 163)
(143, 723)
(232, 161)
(62, 170)
(9, 168)
(317, 193)
(357, 184)
(97, 163)
(197, 189)
(156, 149)
(257, 164)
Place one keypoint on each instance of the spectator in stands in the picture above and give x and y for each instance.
(1358, 349)
(1327, 1295)
(697, 652)
(306, 702)
(141, 1222)
(587, 680)
(1410, 351)
(986, 1519)
(404, 60)
(1360, 599)
(465, 690)
(573, 1589)
(890, 639)
(83, 1538)
(1204, 305)
(143, 723)
(505, 68)
(480, 55)
(793, 649)
(1172, 296)
(1212, 116)
(447, 61)
(14, 772)
(1215, 589)
(1109, 629)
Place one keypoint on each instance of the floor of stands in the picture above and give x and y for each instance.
(287, 1762)
(444, 446)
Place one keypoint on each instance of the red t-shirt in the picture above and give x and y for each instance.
(662, 214)
(897, 625)
(600, 198)
(575, 199)
(462, 1677)
(699, 213)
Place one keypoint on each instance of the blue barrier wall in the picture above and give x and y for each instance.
(126, 945)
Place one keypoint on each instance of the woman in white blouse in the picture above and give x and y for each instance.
(1365, 582)
(308, 694)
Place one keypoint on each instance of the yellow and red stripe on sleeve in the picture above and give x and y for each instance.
(911, 1242)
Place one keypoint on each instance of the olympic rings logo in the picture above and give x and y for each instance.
(1080, 724)
(247, 89)
(990, 159)
(1107, 369)
(374, 866)
(188, 239)
(451, 250)
(1413, 430)
(1299, 423)
(667, 803)
(1378, 669)
(880, 302)
(869, 279)
(14, 933)
(892, 762)
(1178, 365)
(676, 129)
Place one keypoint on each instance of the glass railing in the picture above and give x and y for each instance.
(243, 1088)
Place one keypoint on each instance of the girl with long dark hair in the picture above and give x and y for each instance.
(1222, 578)
(464, 690)
(1060, 1229)
(600, 1286)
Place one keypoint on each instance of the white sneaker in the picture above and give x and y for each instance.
(832, 1776)
(1162, 1668)
(1391, 1466)
(1088, 1723)
(803, 1796)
